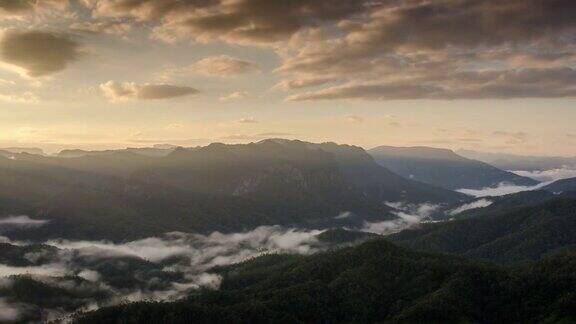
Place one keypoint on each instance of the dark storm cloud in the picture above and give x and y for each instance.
(423, 24)
(14, 7)
(145, 9)
(445, 50)
(468, 23)
(38, 53)
(368, 49)
(151, 92)
(256, 21)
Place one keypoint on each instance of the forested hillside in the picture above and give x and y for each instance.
(374, 282)
(504, 235)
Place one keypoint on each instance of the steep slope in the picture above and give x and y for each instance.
(379, 182)
(505, 236)
(563, 185)
(506, 203)
(26, 185)
(444, 168)
(374, 282)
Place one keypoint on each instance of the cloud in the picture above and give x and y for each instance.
(25, 98)
(287, 85)
(500, 190)
(18, 8)
(233, 96)
(121, 91)
(22, 221)
(111, 27)
(366, 49)
(240, 137)
(275, 134)
(38, 53)
(239, 22)
(344, 215)
(175, 263)
(548, 175)
(453, 49)
(511, 137)
(143, 9)
(369, 91)
(354, 119)
(409, 215)
(206, 251)
(7, 82)
(249, 120)
(369, 24)
(223, 66)
(150, 92)
(48, 270)
(468, 23)
(14, 7)
(528, 83)
(255, 137)
(481, 203)
(8, 313)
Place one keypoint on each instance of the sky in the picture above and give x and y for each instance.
(489, 75)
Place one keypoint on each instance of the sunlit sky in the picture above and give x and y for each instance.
(98, 74)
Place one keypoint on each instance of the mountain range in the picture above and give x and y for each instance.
(206, 231)
(444, 168)
(123, 195)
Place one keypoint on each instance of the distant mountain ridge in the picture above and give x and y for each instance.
(156, 151)
(444, 168)
(18, 150)
(515, 162)
(122, 195)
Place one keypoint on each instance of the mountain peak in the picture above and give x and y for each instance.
(418, 151)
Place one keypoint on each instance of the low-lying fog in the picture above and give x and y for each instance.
(99, 273)
(545, 177)
(156, 268)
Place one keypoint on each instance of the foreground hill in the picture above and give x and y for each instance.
(443, 168)
(125, 195)
(374, 282)
(502, 204)
(560, 186)
(502, 234)
(44, 282)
